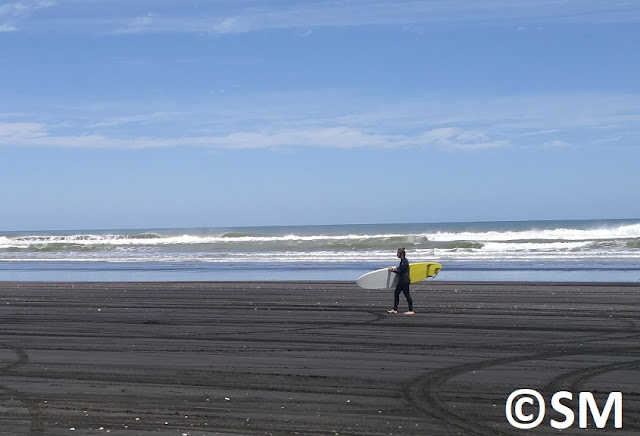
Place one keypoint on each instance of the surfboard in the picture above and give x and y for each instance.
(385, 279)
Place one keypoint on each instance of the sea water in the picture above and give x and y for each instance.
(583, 251)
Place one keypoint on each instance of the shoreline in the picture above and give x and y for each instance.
(418, 285)
(307, 357)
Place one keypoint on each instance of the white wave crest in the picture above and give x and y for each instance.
(560, 234)
(186, 239)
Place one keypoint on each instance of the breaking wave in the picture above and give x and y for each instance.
(454, 241)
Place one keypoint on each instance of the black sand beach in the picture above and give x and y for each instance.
(309, 358)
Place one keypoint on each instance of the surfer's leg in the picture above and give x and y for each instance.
(396, 298)
(407, 295)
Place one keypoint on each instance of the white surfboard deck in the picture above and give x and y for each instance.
(378, 279)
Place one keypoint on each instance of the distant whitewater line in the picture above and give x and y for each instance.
(523, 240)
(622, 232)
(326, 252)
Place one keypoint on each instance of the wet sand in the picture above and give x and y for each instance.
(309, 358)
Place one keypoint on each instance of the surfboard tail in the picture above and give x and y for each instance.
(435, 269)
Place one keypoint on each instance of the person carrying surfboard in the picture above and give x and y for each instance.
(403, 284)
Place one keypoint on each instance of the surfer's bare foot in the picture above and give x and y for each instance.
(392, 311)
(409, 312)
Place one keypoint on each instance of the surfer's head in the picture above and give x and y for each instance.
(401, 252)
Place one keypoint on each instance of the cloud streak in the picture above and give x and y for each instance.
(242, 16)
(306, 15)
(464, 125)
(39, 135)
(140, 119)
(13, 13)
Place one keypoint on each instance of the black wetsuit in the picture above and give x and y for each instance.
(403, 284)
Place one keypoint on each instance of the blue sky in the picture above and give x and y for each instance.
(167, 113)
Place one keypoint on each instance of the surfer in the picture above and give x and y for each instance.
(403, 284)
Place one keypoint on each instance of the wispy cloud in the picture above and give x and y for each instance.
(556, 143)
(241, 16)
(21, 132)
(13, 13)
(615, 138)
(7, 28)
(463, 125)
(341, 137)
(140, 119)
(456, 138)
(246, 16)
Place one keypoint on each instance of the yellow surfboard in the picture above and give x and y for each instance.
(422, 270)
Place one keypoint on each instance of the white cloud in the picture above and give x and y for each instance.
(458, 139)
(134, 119)
(21, 131)
(39, 135)
(145, 20)
(13, 13)
(240, 16)
(538, 132)
(330, 122)
(230, 25)
(556, 143)
(614, 138)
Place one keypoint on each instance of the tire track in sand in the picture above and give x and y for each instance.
(423, 392)
(577, 381)
(33, 407)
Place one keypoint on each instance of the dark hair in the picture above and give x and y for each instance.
(402, 251)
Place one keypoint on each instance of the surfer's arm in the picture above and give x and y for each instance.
(403, 268)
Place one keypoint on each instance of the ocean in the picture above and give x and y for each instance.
(580, 251)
